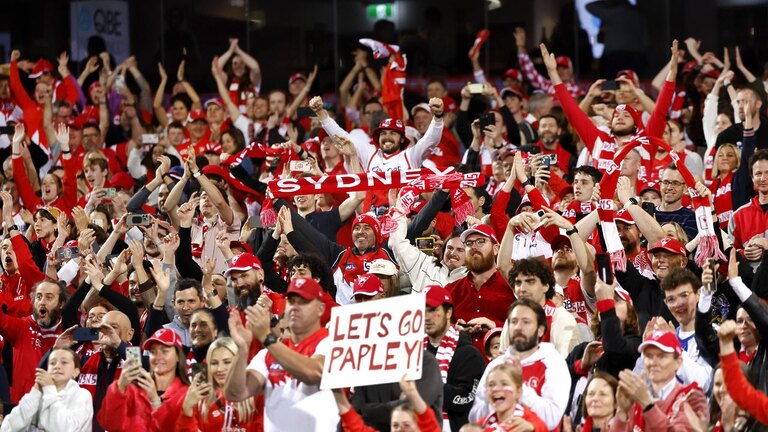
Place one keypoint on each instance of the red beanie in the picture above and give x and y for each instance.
(369, 219)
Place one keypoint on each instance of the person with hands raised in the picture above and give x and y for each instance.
(287, 372)
(562, 68)
(56, 402)
(243, 73)
(20, 273)
(150, 401)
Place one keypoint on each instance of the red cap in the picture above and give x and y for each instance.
(490, 334)
(41, 66)
(482, 229)
(243, 262)
(297, 76)
(669, 244)
(197, 115)
(367, 285)
(624, 216)
(565, 191)
(313, 144)
(449, 104)
(630, 75)
(712, 73)
(437, 295)
(564, 61)
(388, 124)
(306, 288)
(163, 336)
(369, 219)
(514, 74)
(242, 245)
(512, 91)
(212, 147)
(123, 180)
(93, 85)
(663, 340)
(558, 241)
(214, 101)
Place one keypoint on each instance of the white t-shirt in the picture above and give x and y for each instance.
(289, 404)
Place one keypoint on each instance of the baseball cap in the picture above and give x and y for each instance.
(41, 66)
(624, 216)
(514, 74)
(449, 104)
(214, 101)
(382, 267)
(437, 295)
(512, 91)
(505, 153)
(669, 244)
(564, 61)
(233, 244)
(489, 335)
(123, 180)
(297, 76)
(565, 191)
(176, 172)
(305, 288)
(630, 75)
(197, 115)
(482, 229)
(212, 147)
(558, 241)
(421, 106)
(663, 340)
(623, 294)
(243, 262)
(367, 285)
(165, 337)
(712, 73)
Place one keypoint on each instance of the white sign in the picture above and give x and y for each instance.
(108, 19)
(375, 342)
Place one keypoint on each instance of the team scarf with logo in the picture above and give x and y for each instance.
(708, 246)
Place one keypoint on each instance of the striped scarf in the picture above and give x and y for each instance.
(491, 423)
(445, 350)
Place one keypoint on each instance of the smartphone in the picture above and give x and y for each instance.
(486, 120)
(300, 166)
(712, 286)
(138, 219)
(65, 254)
(539, 214)
(150, 138)
(610, 85)
(649, 207)
(109, 193)
(604, 269)
(550, 159)
(425, 243)
(476, 88)
(6, 130)
(85, 334)
(304, 112)
(133, 355)
(200, 369)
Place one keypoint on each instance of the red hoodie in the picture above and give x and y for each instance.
(132, 411)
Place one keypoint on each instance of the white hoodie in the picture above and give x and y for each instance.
(546, 370)
(70, 409)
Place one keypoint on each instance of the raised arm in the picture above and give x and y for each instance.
(188, 87)
(431, 137)
(242, 383)
(225, 211)
(252, 64)
(157, 105)
(302, 95)
(647, 224)
(538, 81)
(232, 109)
(364, 148)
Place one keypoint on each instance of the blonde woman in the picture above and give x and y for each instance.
(205, 408)
(727, 161)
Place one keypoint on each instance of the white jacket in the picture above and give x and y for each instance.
(551, 401)
(421, 268)
(70, 410)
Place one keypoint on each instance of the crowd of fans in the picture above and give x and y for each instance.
(594, 279)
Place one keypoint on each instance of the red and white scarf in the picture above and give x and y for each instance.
(446, 350)
(491, 423)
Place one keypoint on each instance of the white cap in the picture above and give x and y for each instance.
(382, 267)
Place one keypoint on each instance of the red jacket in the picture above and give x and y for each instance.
(132, 411)
(29, 343)
(743, 393)
(67, 197)
(16, 289)
(214, 420)
(748, 221)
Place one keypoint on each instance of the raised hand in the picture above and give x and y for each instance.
(162, 277)
(161, 71)
(62, 136)
(15, 55)
(316, 103)
(436, 106)
(63, 59)
(240, 334)
(92, 65)
(19, 132)
(180, 71)
(520, 41)
(727, 331)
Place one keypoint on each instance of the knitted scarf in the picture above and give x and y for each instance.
(446, 350)
(460, 202)
(491, 423)
(708, 247)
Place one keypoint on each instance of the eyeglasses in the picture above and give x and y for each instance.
(673, 299)
(479, 242)
(672, 183)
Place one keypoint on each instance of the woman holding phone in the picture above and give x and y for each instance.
(148, 401)
(205, 408)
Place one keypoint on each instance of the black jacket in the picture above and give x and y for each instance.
(464, 373)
